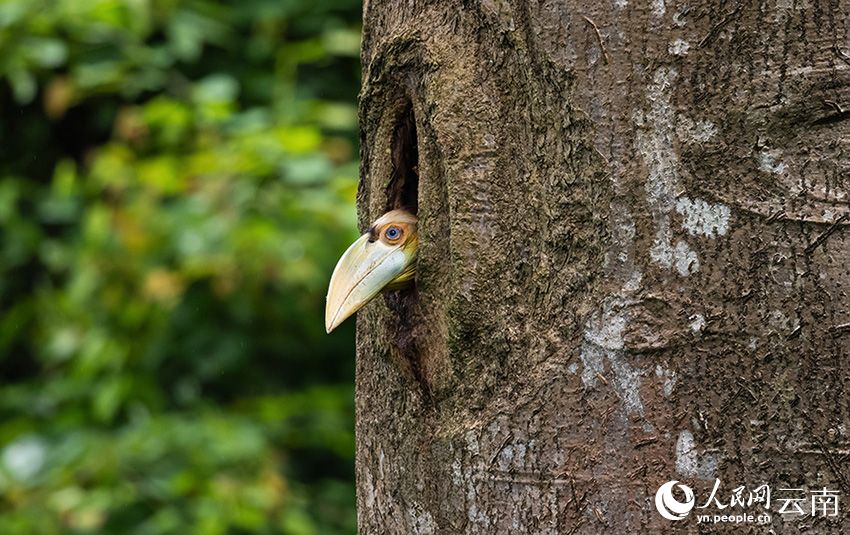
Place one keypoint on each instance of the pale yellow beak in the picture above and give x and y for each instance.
(366, 268)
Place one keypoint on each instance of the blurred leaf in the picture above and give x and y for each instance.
(178, 182)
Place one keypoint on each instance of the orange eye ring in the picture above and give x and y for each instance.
(393, 233)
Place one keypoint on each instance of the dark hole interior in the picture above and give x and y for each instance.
(403, 192)
(403, 188)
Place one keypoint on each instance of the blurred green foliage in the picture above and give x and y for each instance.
(176, 182)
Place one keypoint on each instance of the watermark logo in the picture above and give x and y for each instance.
(667, 504)
(743, 505)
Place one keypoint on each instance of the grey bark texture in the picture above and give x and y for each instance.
(634, 262)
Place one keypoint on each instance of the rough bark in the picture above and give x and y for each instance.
(633, 265)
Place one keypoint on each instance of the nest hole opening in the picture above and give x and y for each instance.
(403, 187)
(402, 192)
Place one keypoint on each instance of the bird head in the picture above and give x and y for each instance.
(382, 259)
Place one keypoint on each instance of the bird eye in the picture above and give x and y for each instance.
(393, 233)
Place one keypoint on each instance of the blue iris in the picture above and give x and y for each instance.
(393, 233)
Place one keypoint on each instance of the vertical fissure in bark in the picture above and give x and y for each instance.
(402, 192)
(403, 187)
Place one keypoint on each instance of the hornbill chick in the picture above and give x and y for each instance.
(382, 259)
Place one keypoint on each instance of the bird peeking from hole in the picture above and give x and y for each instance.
(382, 259)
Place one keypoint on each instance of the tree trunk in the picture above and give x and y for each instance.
(633, 263)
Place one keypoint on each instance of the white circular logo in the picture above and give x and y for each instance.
(668, 506)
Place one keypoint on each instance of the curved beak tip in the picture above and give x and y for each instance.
(362, 272)
(330, 324)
